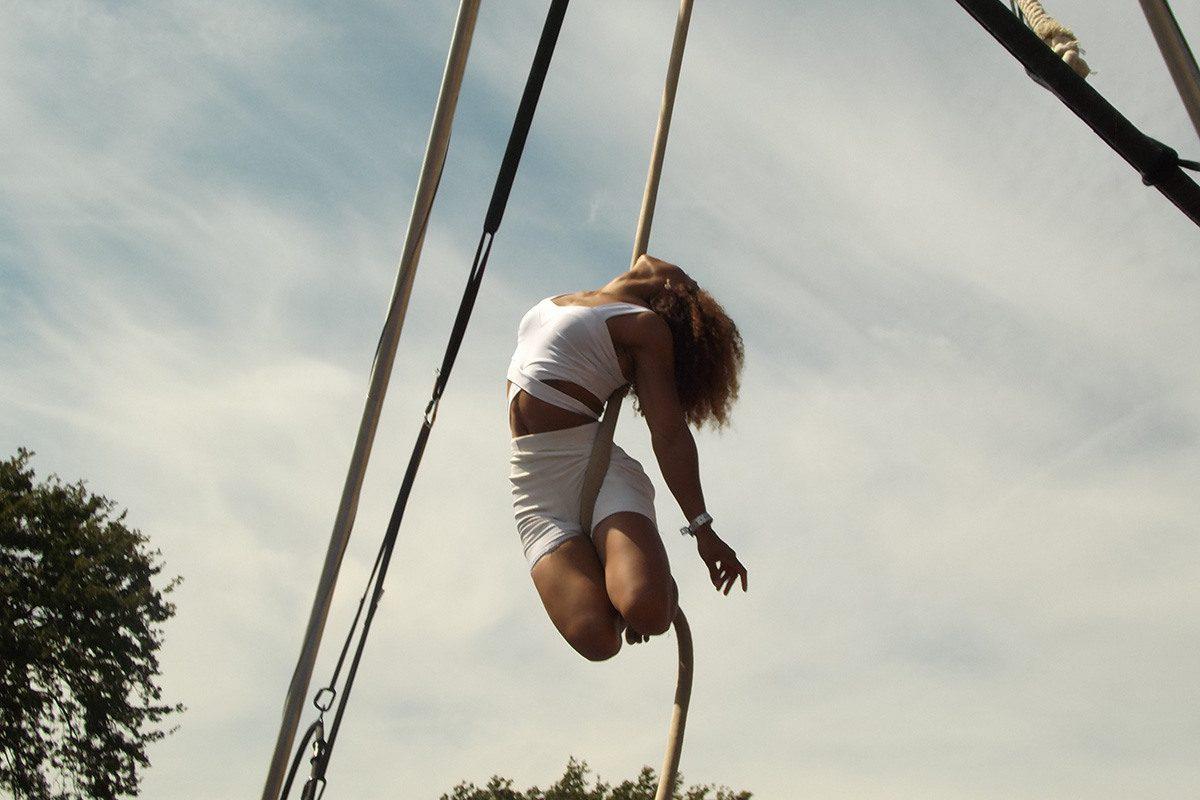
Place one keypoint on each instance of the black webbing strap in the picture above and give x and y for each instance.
(1158, 164)
(325, 697)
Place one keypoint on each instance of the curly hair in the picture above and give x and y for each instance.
(708, 353)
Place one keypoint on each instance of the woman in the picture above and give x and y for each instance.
(654, 328)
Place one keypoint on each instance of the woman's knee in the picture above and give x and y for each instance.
(595, 637)
(648, 609)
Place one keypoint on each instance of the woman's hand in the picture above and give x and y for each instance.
(724, 569)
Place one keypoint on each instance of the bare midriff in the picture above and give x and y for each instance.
(528, 414)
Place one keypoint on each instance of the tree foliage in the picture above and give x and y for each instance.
(575, 784)
(80, 629)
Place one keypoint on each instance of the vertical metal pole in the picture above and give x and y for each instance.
(431, 170)
(642, 240)
(1175, 51)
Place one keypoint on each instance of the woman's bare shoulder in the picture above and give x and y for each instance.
(639, 330)
(596, 298)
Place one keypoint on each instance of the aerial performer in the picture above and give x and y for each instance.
(656, 330)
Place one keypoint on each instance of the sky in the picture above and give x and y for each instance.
(961, 472)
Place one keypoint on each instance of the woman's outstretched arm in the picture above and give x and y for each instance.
(674, 446)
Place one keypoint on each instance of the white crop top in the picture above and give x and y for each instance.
(567, 343)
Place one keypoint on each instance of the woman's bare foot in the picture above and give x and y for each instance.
(631, 636)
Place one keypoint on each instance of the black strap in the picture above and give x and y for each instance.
(1163, 164)
(520, 128)
(1156, 163)
(325, 697)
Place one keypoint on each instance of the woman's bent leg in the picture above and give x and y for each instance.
(637, 574)
(571, 583)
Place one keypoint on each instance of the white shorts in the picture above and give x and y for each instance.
(547, 480)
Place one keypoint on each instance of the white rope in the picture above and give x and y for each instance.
(1058, 36)
(641, 239)
(602, 444)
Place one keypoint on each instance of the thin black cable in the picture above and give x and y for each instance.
(326, 696)
(314, 729)
(331, 687)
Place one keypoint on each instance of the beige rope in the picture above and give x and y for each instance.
(641, 239)
(593, 477)
(683, 693)
(602, 444)
(1059, 37)
(597, 466)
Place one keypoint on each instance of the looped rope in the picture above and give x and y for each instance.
(593, 479)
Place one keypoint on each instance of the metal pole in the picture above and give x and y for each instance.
(642, 240)
(1177, 54)
(385, 354)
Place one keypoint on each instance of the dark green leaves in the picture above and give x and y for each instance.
(575, 784)
(80, 628)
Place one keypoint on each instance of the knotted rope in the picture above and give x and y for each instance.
(1057, 36)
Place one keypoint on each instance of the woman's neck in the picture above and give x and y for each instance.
(630, 285)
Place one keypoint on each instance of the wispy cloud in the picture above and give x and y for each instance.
(962, 471)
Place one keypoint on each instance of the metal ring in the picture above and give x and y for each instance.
(321, 694)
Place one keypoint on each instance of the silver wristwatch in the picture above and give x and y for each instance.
(699, 522)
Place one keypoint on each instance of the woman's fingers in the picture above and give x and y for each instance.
(724, 569)
(732, 578)
(722, 584)
(730, 574)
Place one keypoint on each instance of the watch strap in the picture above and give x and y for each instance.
(702, 519)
